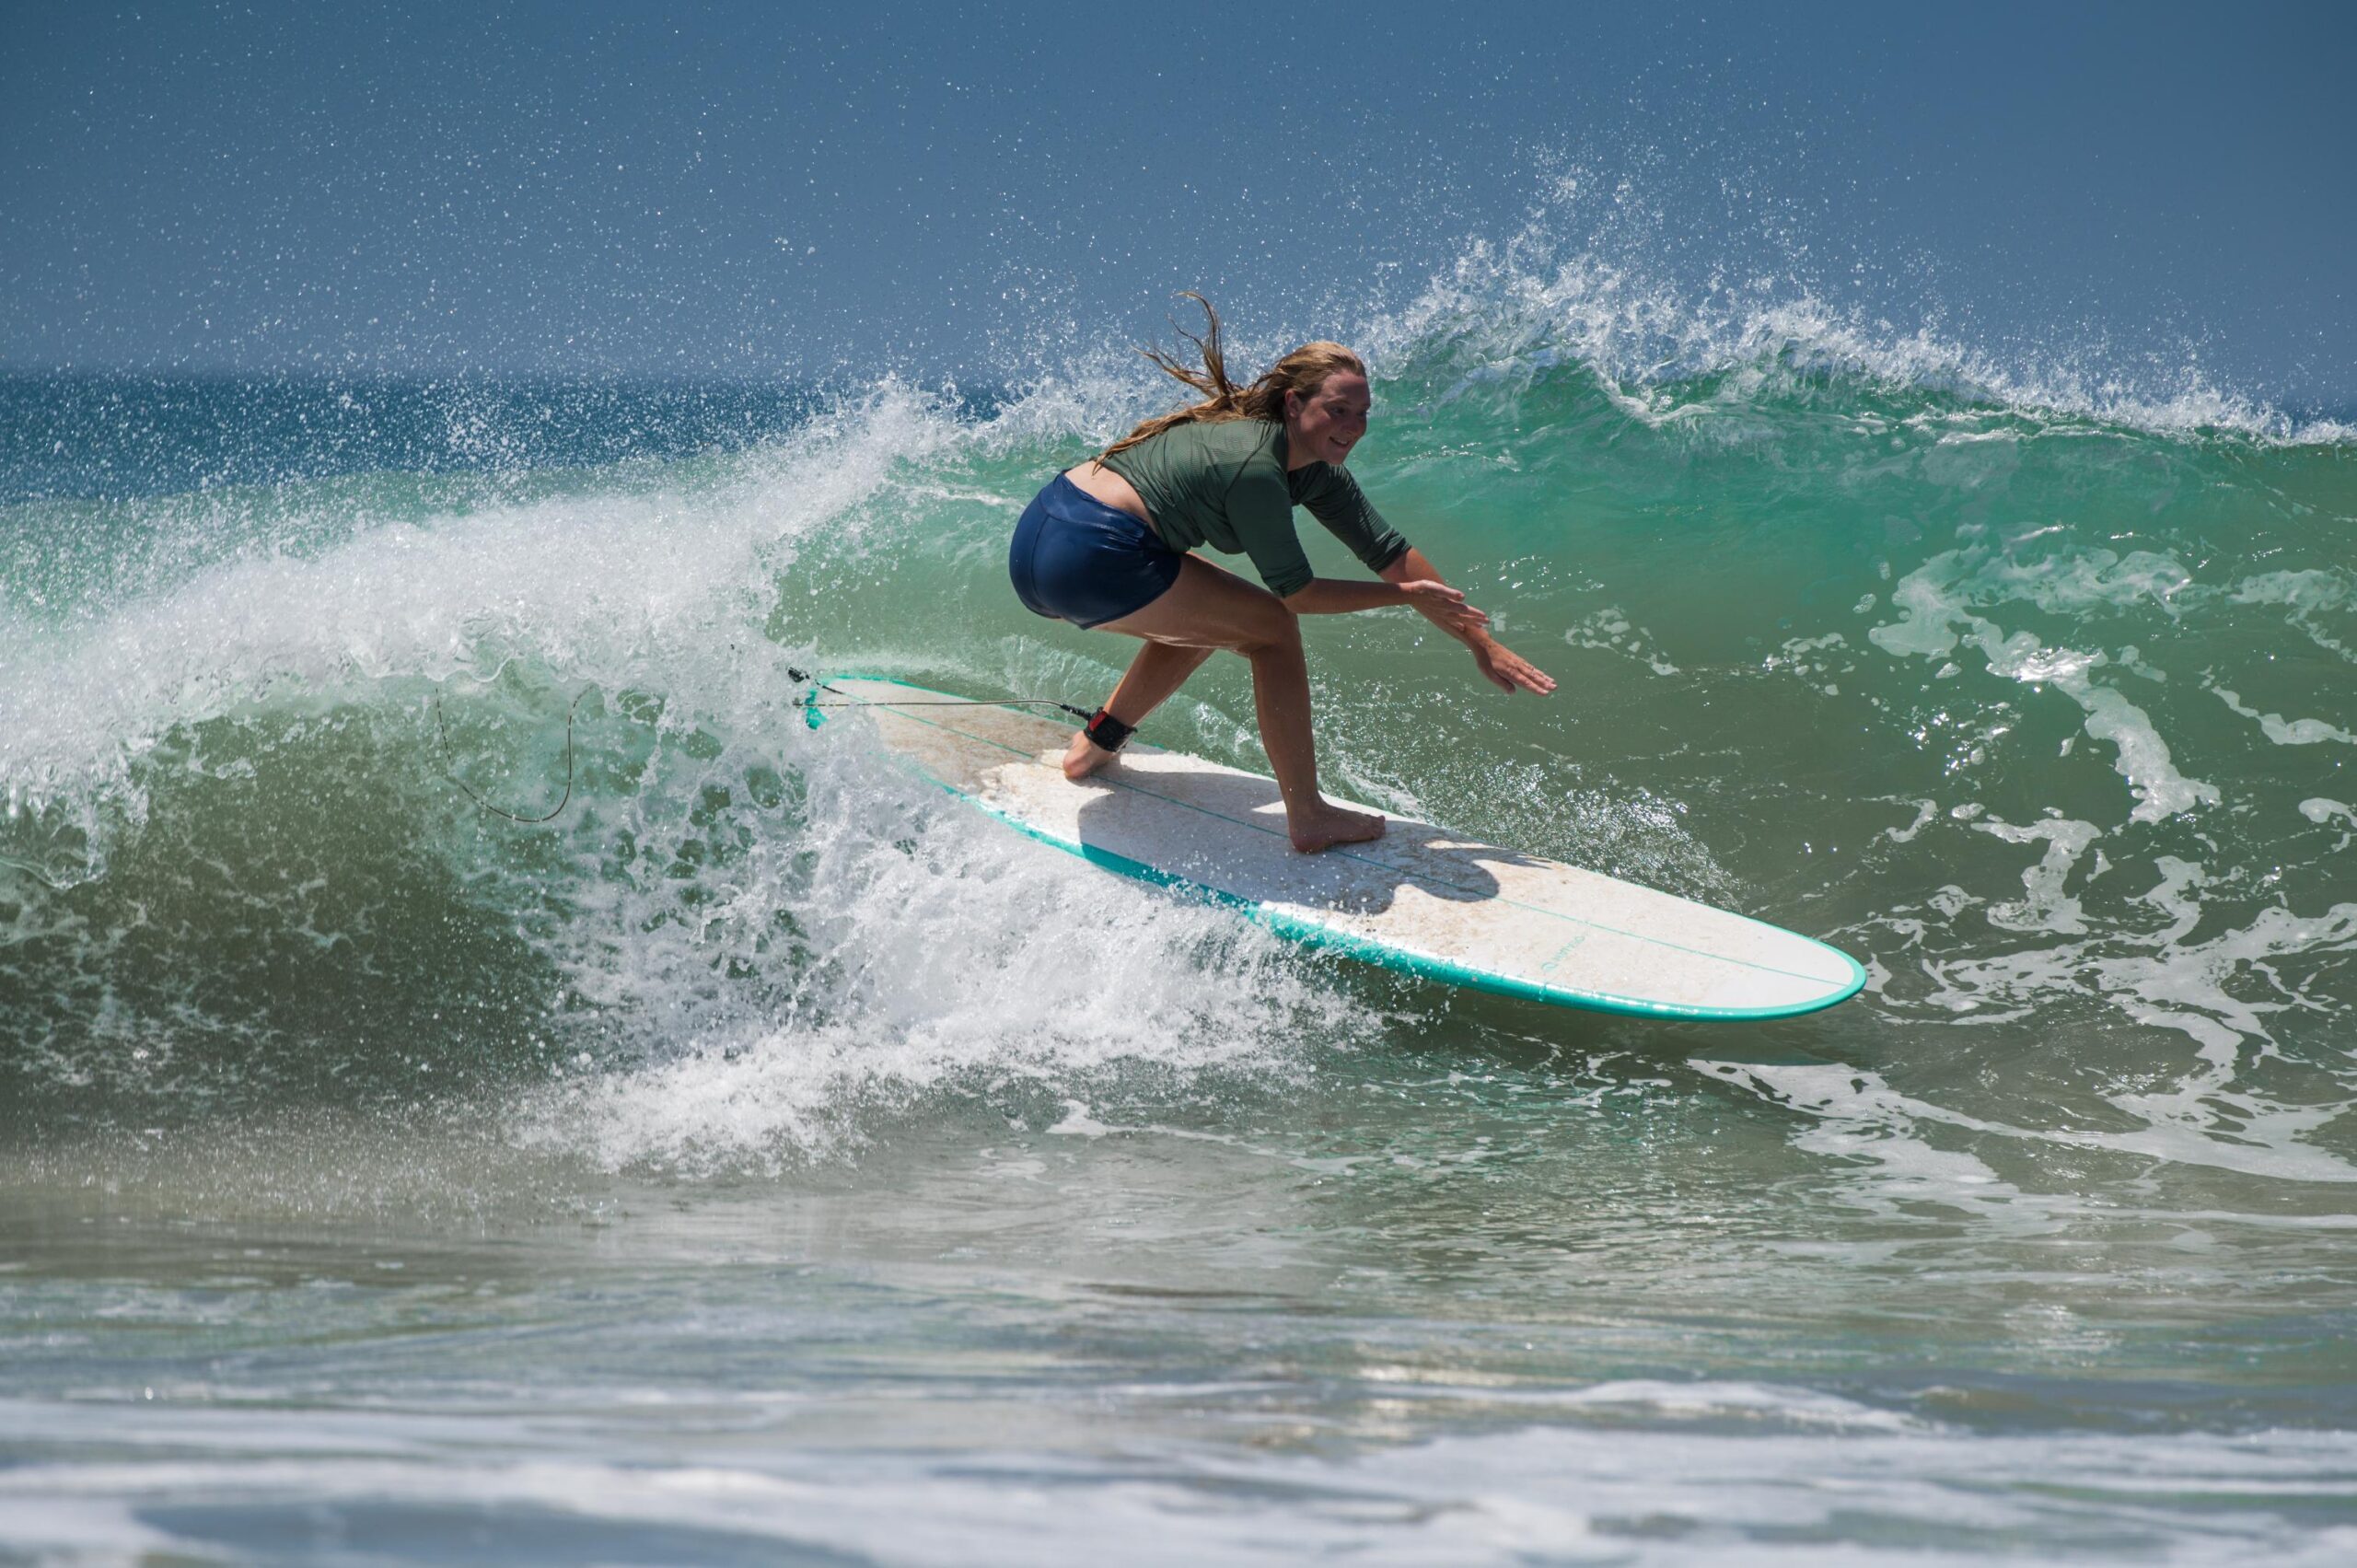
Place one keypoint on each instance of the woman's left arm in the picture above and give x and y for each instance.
(1499, 665)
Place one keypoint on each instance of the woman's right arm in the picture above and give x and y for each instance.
(1341, 595)
(1499, 665)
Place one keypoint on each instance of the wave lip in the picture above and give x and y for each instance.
(1519, 313)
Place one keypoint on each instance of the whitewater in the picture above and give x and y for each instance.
(768, 1159)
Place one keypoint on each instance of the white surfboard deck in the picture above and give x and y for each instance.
(1420, 899)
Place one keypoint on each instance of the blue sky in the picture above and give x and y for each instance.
(773, 189)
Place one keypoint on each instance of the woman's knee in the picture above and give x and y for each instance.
(1272, 629)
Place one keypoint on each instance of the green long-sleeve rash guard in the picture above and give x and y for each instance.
(1223, 484)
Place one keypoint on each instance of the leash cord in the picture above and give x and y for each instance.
(971, 702)
(468, 790)
(1081, 713)
(443, 724)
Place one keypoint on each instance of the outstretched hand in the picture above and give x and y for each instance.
(1508, 671)
(1445, 607)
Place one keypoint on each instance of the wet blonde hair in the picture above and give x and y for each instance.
(1305, 370)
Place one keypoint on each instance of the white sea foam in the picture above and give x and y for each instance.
(1878, 1137)
(1881, 1134)
(1935, 614)
(1925, 811)
(2205, 1114)
(935, 950)
(2283, 731)
(2313, 595)
(2047, 907)
(1603, 1491)
(1610, 629)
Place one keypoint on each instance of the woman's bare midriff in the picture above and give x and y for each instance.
(1098, 482)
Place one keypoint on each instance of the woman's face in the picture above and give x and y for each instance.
(1325, 425)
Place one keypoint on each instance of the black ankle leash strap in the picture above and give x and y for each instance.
(1107, 731)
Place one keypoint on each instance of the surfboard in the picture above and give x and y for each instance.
(1421, 899)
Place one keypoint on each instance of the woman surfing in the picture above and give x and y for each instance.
(1106, 546)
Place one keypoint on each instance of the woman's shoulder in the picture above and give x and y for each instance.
(1223, 437)
(1248, 444)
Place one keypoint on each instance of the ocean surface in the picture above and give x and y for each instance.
(767, 1160)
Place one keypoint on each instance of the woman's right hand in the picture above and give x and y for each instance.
(1445, 607)
(1508, 671)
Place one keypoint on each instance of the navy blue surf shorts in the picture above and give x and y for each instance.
(1076, 559)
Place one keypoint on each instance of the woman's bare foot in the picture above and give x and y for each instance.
(1084, 757)
(1330, 825)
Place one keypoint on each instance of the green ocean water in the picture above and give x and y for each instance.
(769, 1160)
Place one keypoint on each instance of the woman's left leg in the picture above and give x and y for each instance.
(1159, 670)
